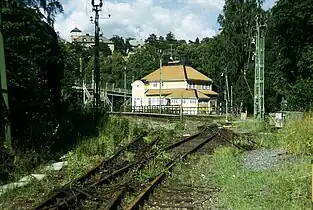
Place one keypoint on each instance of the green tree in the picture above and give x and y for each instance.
(289, 50)
(119, 44)
(35, 67)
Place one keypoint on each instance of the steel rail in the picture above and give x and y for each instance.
(58, 192)
(108, 178)
(116, 200)
(144, 194)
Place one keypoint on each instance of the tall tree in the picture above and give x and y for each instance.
(119, 44)
(35, 67)
(50, 7)
(289, 47)
(238, 22)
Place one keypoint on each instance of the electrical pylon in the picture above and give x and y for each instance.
(259, 110)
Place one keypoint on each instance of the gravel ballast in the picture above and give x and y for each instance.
(264, 159)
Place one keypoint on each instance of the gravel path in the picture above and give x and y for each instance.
(264, 159)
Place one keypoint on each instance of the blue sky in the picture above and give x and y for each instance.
(187, 19)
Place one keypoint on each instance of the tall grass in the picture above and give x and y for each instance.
(297, 136)
(118, 131)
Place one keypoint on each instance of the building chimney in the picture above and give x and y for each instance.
(87, 34)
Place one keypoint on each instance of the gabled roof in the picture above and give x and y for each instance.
(176, 72)
(90, 39)
(76, 30)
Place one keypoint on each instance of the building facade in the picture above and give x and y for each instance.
(89, 40)
(182, 86)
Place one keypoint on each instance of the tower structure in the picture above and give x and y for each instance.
(259, 110)
(75, 33)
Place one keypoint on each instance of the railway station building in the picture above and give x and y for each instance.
(183, 88)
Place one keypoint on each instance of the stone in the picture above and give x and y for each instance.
(57, 166)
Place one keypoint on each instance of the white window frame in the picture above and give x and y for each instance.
(154, 84)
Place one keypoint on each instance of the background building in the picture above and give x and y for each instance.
(88, 40)
(182, 85)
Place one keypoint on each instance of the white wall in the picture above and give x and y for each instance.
(138, 93)
(168, 85)
(111, 46)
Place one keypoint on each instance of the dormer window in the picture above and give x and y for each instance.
(84, 40)
(92, 40)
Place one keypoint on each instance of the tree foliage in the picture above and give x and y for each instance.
(35, 66)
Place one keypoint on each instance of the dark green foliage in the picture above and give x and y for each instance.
(34, 65)
(289, 47)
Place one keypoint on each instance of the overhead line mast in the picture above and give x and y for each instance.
(259, 110)
(96, 8)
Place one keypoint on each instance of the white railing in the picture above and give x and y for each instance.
(111, 88)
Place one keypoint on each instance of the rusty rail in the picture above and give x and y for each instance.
(144, 194)
(92, 171)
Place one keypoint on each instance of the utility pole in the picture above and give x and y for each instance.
(172, 52)
(226, 106)
(5, 110)
(160, 82)
(259, 110)
(125, 89)
(96, 8)
(231, 100)
(227, 87)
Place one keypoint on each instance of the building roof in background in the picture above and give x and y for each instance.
(90, 39)
(208, 92)
(181, 93)
(76, 30)
(136, 43)
(177, 72)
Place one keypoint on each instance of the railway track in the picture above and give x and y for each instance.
(104, 186)
(168, 194)
(72, 190)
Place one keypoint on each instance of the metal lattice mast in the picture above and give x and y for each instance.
(259, 70)
(160, 88)
(97, 8)
(5, 124)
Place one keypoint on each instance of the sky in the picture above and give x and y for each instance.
(187, 19)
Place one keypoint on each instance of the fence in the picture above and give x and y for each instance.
(105, 86)
(174, 110)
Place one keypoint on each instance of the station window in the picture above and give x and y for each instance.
(154, 84)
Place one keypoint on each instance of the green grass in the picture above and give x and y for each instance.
(88, 153)
(286, 187)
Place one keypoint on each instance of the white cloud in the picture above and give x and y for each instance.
(208, 4)
(187, 19)
(138, 18)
